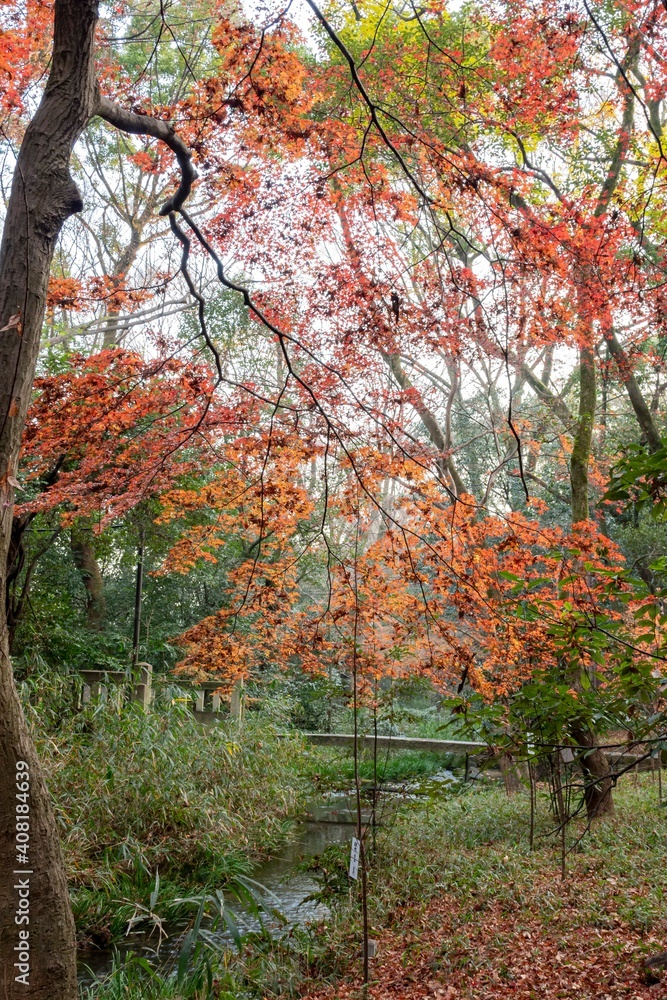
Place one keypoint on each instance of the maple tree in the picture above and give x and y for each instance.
(531, 255)
(101, 438)
(451, 223)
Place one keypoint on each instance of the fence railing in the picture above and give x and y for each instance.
(111, 685)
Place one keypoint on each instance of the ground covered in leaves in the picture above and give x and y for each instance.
(461, 909)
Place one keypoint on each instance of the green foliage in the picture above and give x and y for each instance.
(53, 627)
(329, 870)
(189, 976)
(641, 478)
(311, 703)
(134, 977)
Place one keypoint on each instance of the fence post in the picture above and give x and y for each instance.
(143, 688)
(236, 704)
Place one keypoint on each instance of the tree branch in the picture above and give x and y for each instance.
(127, 121)
(639, 405)
(439, 438)
(555, 402)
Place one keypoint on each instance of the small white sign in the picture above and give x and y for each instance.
(567, 755)
(355, 854)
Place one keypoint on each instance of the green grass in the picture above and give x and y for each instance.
(334, 769)
(140, 898)
(132, 977)
(477, 843)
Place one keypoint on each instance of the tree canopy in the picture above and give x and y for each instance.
(356, 321)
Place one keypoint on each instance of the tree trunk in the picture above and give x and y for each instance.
(81, 543)
(598, 793)
(581, 449)
(643, 413)
(123, 265)
(510, 773)
(43, 196)
(15, 564)
(598, 784)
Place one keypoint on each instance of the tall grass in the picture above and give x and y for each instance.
(143, 793)
(199, 971)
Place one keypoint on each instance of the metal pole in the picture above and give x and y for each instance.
(357, 783)
(137, 599)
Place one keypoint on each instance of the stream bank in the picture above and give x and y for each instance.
(289, 894)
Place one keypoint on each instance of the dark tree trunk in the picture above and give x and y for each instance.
(598, 783)
(15, 563)
(581, 448)
(43, 196)
(20, 570)
(81, 542)
(598, 794)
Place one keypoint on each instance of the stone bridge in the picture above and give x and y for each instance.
(206, 705)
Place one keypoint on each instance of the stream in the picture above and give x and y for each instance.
(331, 819)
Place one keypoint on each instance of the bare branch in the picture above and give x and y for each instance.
(127, 121)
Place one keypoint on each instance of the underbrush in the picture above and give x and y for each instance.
(262, 969)
(464, 859)
(145, 795)
(478, 843)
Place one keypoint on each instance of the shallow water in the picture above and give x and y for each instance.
(286, 892)
(331, 819)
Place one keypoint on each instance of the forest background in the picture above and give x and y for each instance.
(378, 392)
